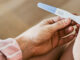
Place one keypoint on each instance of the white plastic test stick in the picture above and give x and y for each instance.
(59, 12)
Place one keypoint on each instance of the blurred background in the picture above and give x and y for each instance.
(16, 16)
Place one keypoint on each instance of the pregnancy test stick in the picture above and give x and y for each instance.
(59, 12)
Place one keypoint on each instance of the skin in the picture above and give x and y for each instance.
(45, 37)
(60, 53)
(67, 54)
(52, 55)
(71, 52)
(76, 47)
(57, 54)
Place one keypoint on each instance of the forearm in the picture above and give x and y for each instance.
(25, 47)
(52, 55)
(67, 54)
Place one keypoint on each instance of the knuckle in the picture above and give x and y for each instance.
(61, 23)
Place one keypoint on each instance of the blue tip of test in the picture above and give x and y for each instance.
(46, 7)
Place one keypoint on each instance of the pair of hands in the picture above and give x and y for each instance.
(45, 36)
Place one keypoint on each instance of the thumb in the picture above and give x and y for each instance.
(61, 24)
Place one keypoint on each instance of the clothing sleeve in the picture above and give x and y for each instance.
(10, 50)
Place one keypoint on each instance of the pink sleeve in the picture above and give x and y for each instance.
(10, 50)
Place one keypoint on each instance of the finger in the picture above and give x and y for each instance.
(66, 31)
(69, 30)
(58, 18)
(78, 25)
(60, 24)
(51, 20)
(54, 19)
(77, 29)
(75, 13)
(73, 23)
(63, 41)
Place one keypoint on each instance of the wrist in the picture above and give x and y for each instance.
(25, 46)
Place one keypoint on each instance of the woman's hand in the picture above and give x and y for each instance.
(45, 36)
